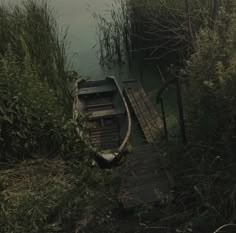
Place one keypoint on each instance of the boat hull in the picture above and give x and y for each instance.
(108, 121)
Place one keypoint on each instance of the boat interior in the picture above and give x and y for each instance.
(101, 102)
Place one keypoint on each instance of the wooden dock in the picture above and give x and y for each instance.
(148, 118)
(145, 180)
(144, 177)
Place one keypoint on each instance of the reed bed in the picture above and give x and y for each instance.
(163, 30)
(31, 31)
(113, 34)
(35, 100)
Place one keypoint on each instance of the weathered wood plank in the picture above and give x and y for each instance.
(112, 128)
(138, 114)
(147, 116)
(101, 106)
(106, 113)
(144, 178)
(96, 90)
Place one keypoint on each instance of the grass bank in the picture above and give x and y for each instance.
(44, 195)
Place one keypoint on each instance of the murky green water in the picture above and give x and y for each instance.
(77, 15)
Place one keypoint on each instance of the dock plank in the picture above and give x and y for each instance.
(106, 113)
(147, 116)
(96, 90)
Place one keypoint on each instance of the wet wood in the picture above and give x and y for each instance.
(100, 106)
(106, 113)
(144, 178)
(145, 112)
(96, 90)
(105, 137)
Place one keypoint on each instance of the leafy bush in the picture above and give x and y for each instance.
(207, 170)
(210, 75)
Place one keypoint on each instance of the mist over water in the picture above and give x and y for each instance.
(76, 15)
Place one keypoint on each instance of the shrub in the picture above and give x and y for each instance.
(210, 74)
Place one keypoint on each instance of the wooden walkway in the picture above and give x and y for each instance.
(145, 179)
(147, 116)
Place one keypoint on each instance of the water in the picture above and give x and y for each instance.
(77, 14)
(82, 50)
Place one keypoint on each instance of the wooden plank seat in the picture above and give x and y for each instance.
(96, 90)
(99, 130)
(106, 113)
(107, 138)
(101, 106)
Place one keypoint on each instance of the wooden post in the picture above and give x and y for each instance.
(181, 111)
(175, 81)
(164, 119)
(189, 20)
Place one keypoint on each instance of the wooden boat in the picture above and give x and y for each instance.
(107, 115)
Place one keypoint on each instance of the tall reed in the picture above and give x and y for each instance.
(113, 33)
(35, 101)
(30, 30)
(156, 29)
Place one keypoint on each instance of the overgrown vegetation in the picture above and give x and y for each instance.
(210, 114)
(199, 38)
(113, 34)
(55, 195)
(44, 186)
(164, 31)
(35, 102)
(31, 33)
(51, 196)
